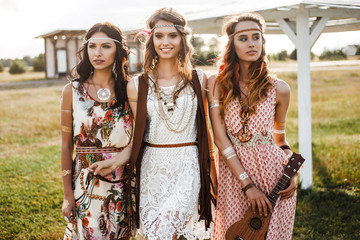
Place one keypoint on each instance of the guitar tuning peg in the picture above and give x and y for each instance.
(292, 159)
(299, 163)
(294, 170)
(288, 166)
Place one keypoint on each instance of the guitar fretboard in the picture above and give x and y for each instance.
(281, 185)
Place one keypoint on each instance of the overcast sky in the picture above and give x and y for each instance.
(22, 20)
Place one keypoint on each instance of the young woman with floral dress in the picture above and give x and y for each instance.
(97, 125)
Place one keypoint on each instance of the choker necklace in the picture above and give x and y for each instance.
(103, 94)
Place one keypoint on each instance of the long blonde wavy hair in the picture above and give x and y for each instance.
(186, 51)
(229, 74)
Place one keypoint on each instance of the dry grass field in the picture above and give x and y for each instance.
(31, 187)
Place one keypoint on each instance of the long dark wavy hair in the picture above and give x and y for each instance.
(228, 78)
(84, 69)
(186, 51)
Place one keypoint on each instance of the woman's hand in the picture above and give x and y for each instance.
(258, 199)
(68, 209)
(103, 168)
(289, 191)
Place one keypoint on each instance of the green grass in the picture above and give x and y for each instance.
(31, 189)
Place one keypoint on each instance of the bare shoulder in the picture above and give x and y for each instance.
(131, 88)
(282, 88)
(212, 80)
(67, 90)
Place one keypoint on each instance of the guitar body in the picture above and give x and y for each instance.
(251, 227)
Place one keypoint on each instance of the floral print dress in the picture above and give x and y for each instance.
(100, 132)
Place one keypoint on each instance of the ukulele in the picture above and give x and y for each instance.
(253, 226)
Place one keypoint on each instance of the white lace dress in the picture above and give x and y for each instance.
(170, 177)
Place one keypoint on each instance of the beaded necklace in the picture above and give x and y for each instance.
(168, 102)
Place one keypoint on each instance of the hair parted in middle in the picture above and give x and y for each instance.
(84, 69)
(229, 75)
(186, 51)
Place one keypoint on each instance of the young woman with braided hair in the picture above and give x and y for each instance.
(248, 110)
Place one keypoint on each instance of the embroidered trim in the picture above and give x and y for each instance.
(260, 138)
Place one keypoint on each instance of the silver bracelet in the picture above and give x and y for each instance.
(228, 157)
(227, 150)
(279, 131)
(243, 176)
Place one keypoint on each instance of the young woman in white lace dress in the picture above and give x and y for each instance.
(173, 182)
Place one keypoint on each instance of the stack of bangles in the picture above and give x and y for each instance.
(228, 153)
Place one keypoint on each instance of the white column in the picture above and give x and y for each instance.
(303, 46)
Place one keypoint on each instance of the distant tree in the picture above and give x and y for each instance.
(357, 50)
(17, 66)
(198, 43)
(283, 55)
(199, 59)
(6, 62)
(28, 60)
(39, 63)
(272, 57)
(1, 67)
(293, 55)
(211, 55)
(332, 55)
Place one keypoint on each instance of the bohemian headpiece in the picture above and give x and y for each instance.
(147, 32)
(245, 30)
(100, 38)
(167, 25)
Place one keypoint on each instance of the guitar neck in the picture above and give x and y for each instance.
(281, 185)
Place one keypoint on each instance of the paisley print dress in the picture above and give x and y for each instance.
(263, 160)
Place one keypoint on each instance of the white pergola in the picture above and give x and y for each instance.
(302, 21)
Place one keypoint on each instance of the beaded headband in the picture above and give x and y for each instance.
(100, 38)
(245, 30)
(166, 25)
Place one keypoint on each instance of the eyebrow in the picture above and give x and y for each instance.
(243, 35)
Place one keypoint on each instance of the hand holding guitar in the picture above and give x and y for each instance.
(290, 190)
(258, 200)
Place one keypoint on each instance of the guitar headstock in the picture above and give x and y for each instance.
(294, 164)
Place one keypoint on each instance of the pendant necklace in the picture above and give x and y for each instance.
(244, 134)
(103, 94)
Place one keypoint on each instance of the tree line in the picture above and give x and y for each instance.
(18, 66)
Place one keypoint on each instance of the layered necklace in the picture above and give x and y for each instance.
(165, 107)
(244, 134)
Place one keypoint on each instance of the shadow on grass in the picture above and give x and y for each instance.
(327, 214)
(322, 175)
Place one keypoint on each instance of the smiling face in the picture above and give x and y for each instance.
(167, 41)
(101, 51)
(248, 42)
